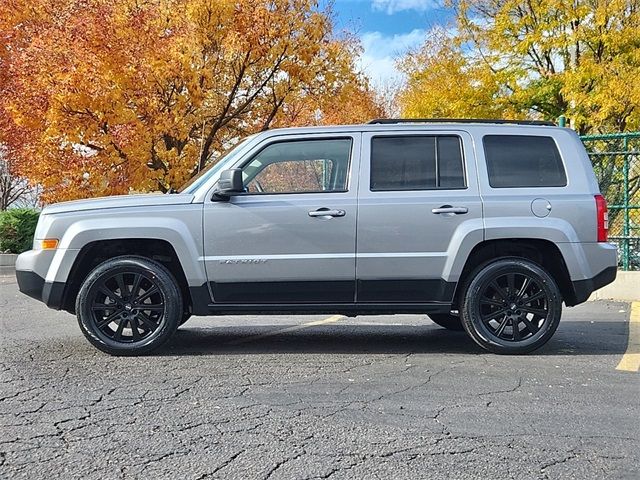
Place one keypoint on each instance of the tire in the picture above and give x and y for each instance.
(511, 306)
(152, 302)
(450, 322)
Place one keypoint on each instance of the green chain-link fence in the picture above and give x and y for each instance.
(616, 161)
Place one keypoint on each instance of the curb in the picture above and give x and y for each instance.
(625, 287)
(8, 260)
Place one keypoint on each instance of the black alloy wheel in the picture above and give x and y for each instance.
(512, 306)
(129, 305)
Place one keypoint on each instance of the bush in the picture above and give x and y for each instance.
(17, 227)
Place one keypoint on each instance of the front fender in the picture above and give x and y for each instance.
(172, 230)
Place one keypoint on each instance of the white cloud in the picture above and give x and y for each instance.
(380, 52)
(393, 6)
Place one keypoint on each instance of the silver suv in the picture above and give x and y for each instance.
(486, 226)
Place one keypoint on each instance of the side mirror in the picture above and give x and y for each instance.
(230, 182)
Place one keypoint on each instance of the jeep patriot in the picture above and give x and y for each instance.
(486, 226)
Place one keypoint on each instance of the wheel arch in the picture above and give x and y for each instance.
(542, 252)
(96, 252)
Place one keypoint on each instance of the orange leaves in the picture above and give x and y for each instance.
(104, 96)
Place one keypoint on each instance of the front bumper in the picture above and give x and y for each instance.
(33, 285)
(31, 273)
(30, 283)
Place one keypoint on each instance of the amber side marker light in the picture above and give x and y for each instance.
(49, 243)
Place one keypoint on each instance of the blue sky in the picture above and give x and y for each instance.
(387, 28)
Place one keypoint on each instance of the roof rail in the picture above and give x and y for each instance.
(389, 121)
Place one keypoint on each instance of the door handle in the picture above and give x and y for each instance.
(325, 212)
(449, 209)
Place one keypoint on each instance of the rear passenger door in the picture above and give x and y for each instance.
(418, 202)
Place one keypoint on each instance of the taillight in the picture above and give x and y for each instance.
(603, 218)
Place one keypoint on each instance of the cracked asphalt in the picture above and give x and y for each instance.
(364, 398)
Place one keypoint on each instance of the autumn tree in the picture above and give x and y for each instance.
(14, 190)
(104, 96)
(443, 82)
(541, 59)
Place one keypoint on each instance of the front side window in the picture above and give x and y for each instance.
(523, 161)
(301, 166)
(412, 162)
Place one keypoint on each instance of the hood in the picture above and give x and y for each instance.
(120, 201)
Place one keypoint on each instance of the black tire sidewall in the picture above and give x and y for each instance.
(476, 329)
(168, 289)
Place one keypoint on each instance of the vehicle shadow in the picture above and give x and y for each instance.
(572, 338)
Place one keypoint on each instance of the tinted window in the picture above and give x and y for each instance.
(450, 170)
(523, 161)
(300, 167)
(416, 163)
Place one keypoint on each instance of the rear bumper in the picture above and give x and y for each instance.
(33, 285)
(584, 288)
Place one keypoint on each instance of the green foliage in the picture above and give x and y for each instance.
(17, 227)
(617, 168)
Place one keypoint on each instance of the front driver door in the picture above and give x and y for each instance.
(290, 238)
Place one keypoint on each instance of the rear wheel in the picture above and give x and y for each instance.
(129, 306)
(450, 322)
(511, 306)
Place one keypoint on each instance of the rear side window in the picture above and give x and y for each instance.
(523, 161)
(412, 162)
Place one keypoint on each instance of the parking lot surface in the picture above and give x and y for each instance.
(315, 397)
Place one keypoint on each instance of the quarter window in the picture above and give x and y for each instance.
(412, 162)
(523, 161)
(302, 166)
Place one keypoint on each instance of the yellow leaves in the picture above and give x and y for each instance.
(442, 83)
(540, 58)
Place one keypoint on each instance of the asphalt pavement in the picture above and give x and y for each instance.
(301, 397)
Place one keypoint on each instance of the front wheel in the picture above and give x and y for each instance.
(129, 306)
(511, 306)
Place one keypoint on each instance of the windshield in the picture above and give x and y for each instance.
(203, 177)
